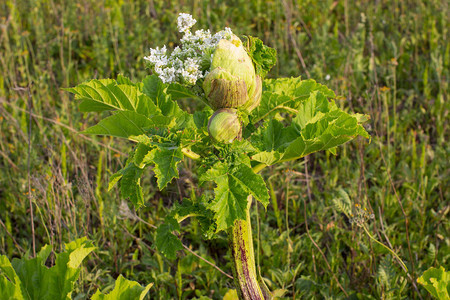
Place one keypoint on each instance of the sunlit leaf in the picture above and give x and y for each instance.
(124, 290)
(32, 279)
(437, 282)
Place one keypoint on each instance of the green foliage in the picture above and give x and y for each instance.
(189, 209)
(126, 124)
(343, 203)
(32, 279)
(317, 124)
(286, 95)
(437, 282)
(166, 241)
(234, 184)
(263, 57)
(108, 94)
(124, 289)
(130, 183)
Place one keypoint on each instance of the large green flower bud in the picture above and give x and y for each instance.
(232, 82)
(255, 98)
(224, 125)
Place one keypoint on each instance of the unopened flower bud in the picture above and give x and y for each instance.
(224, 125)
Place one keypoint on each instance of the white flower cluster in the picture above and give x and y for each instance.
(184, 64)
(185, 22)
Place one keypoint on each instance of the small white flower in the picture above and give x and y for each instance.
(176, 52)
(157, 56)
(327, 77)
(177, 63)
(185, 22)
(168, 75)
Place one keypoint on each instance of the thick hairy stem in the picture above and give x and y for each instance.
(245, 275)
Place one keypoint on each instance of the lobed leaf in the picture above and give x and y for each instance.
(32, 279)
(295, 87)
(130, 184)
(166, 242)
(155, 89)
(127, 124)
(263, 57)
(124, 290)
(271, 104)
(234, 185)
(178, 91)
(286, 95)
(190, 209)
(107, 94)
(318, 125)
(437, 282)
(166, 161)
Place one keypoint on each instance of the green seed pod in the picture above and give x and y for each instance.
(224, 125)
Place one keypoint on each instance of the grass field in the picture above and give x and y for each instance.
(388, 59)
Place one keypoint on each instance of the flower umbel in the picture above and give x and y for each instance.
(190, 61)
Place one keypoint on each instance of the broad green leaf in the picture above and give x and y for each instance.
(177, 91)
(272, 135)
(156, 90)
(334, 129)
(198, 210)
(295, 87)
(9, 291)
(10, 284)
(437, 282)
(66, 270)
(126, 124)
(107, 94)
(130, 184)
(230, 202)
(312, 109)
(142, 155)
(318, 126)
(286, 95)
(124, 80)
(272, 103)
(124, 290)
(166, 242)
(100, 95)
(234, 185)
(32, 279)
(166, 161)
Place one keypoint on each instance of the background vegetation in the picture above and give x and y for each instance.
(389, 59)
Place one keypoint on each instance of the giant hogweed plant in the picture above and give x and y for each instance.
(247, 124)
